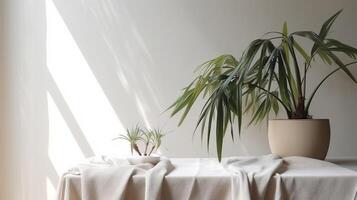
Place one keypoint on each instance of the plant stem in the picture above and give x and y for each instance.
(152, 149)
(136, 148)
(146, 148)
(300, 113)
(308, 67)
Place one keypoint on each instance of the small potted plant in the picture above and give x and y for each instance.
(150, 139)
(133, 136)
(271, 73)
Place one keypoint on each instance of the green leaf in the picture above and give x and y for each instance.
(275, 105)
(290, 79)
(301, 51)
(219, 129)
(325, 29)
(257, 113)
(284, 44)
(211, 115)
(337, 46)
(283, 88)
(291, 42)
(341, 64)
(285, 29)
(324, 57)
(239, 106)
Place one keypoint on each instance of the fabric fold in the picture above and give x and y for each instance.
(250, 177)
(264, 177)
(104, 178)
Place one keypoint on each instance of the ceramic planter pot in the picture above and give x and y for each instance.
(299, 137)
(134, 160)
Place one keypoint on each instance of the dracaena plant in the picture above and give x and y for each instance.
(271, 72)
(155, 139)
(151, 138)
(133, 136)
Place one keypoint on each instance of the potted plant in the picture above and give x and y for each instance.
(133, 136)
(148, 139)
(271, 73)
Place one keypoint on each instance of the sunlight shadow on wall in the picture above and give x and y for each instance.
(68, 117)
(81, 120)
(63, 150)
(79, 87)
(142, 111)
(51, 189)
(134, 61)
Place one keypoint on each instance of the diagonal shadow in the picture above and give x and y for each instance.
(51, 173)
(69, 117)
(115, 60)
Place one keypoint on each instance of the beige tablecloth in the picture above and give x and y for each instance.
(205, 178)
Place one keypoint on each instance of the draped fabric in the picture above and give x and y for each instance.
(236, 178)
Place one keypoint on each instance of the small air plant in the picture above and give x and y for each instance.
(156, 136)
(150, 137)
(146, 138)
(133, 136)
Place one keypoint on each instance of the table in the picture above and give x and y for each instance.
(205, 178)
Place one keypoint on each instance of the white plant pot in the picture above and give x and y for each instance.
(135, 160)
(299, 137)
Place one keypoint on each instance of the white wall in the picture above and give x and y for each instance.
(75, 73)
